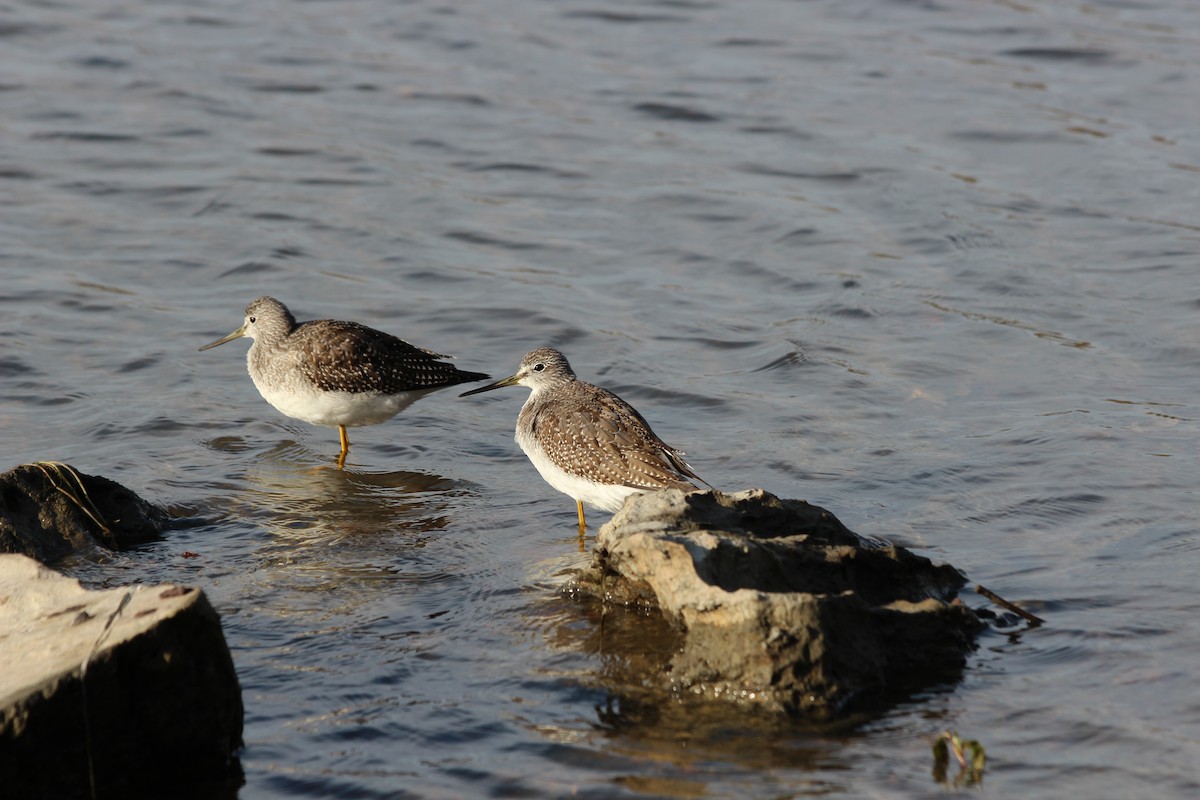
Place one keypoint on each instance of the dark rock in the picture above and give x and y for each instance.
(48, 510)
(131, 690)
(778, 604)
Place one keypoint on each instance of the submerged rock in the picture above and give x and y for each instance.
(114, 693)
(778, 604)
(49, 509)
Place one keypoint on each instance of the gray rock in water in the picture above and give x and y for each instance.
(48, 510)
(129, 691)
(779, 605)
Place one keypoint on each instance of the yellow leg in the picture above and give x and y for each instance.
(345, 446)
(579, 508)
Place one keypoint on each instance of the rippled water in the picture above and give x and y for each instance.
(931, 265)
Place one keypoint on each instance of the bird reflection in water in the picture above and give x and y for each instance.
(307, 507)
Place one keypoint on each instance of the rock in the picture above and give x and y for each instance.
(779, 605)
(48, 510)
(133, 685)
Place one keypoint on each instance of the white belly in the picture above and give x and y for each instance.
(597, 495)
(302, 401)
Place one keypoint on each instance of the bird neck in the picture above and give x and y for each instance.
(550, 387)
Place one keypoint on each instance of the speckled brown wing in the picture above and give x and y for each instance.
(349, 357)
(601, 437)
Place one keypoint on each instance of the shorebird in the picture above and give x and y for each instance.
(585, 441)
(335, 373)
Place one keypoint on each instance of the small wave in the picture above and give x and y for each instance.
(86, 136)
(842, 176)
(675, 113)
(473, 237)
(1084, 54)
(624, 18)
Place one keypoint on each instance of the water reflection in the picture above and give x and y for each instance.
(303, 503)
(310, 526)
(620, 655)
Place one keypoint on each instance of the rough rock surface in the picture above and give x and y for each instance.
(48, 510)
(132, 688)
(779, 604)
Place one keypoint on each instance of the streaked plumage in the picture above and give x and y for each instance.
(335, 373)
(585, 441)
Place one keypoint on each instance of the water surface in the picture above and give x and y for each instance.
(929, 265)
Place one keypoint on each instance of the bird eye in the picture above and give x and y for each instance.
(538, 367)
(253, 320)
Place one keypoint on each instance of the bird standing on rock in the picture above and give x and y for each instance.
(335, 373)
(585, 441)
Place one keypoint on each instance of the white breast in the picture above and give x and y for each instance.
(597, 495)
